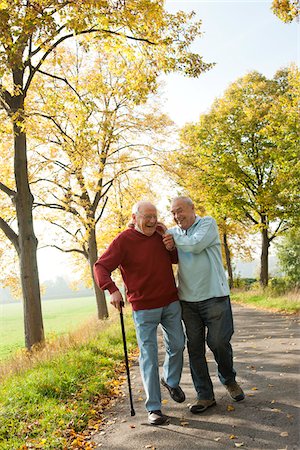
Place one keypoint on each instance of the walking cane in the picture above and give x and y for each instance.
(132, 412)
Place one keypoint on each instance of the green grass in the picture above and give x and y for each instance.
(288, 303)
(59, 317)
(61, 394)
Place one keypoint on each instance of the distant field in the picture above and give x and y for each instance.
(60, 316)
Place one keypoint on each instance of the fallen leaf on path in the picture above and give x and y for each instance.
(290, 416)
(232, 436)
(239, 444)
(150, 446)
(164, 402)
(250, 395)
(277, 410)
(284, 434)
(132, 426)
(140, 399)
(217, 439)
(184, 424)
(230, 408)
(270, 385)
(254, 389)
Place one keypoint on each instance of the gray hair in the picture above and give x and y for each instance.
(136, 207)
(184, 199)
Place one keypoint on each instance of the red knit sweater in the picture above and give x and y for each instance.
(146, 268)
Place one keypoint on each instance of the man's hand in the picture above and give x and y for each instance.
(161, 228)
(168, 241)
(116, 300)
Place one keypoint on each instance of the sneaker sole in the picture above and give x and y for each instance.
(163, 422)
(239, 398)
(194, 409)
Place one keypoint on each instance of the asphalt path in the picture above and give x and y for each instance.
(266, 358)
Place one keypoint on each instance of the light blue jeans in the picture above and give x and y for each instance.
(146, 324)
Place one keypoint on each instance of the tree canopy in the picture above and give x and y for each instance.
(31, 31)
(286, 10)
(244, 154)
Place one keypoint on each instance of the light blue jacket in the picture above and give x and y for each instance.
(200, 269)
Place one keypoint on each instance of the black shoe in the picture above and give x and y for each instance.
(157, 417)
(176, 393)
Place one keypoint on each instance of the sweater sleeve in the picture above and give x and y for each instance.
(205, 235)
(106, 264)
(174, 256)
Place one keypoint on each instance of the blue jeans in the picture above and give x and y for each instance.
(215, 316)
(146, 324)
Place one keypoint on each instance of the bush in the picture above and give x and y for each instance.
(245, 283)
(279, 285)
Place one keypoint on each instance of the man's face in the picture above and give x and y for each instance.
(146, 219)
(183, 213)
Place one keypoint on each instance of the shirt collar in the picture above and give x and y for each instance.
(197, 219)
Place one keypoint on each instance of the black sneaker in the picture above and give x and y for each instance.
(176, 393)
(157, 417)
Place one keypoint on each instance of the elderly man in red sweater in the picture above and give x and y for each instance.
(146, 268)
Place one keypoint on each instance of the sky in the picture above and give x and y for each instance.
(239, 36)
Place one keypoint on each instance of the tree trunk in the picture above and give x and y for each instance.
(100, 297)
(33, 321)
(228, 260)
(264, 259)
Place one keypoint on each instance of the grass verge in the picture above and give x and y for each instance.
(51, 397)
(288, 303)
(60, 316)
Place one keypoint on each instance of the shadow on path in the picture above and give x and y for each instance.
(266, 357)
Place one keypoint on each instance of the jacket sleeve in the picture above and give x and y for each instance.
(106, 264)
(204, 236)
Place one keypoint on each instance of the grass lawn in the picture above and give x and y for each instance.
(59, 316)
(288, 303)
(49, 400)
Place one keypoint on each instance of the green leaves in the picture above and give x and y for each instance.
(242, 158)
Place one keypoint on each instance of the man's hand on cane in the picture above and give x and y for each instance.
(116, 300)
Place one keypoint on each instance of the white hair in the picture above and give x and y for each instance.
(136, 207)
(185, 199)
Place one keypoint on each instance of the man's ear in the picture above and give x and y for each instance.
(133, 218)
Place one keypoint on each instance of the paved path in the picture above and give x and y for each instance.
(266, 349)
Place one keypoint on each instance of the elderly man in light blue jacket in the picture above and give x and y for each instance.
(204, 294)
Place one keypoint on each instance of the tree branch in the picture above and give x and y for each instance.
(68, 36)
(56, 77)
(10, 234)
(102, 211)
(10, 192)
(68, 250)
(5, 99)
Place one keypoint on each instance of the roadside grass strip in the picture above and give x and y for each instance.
(50, 404)
(288, 303)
